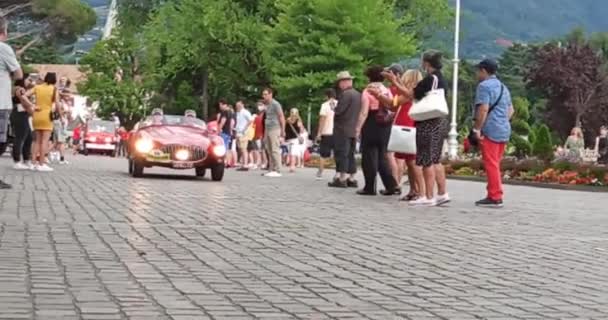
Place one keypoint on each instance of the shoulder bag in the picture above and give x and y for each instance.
(402, 139)
(432, 106)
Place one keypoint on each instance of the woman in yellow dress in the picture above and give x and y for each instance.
(42, 122)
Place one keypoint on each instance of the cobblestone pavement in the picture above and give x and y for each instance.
(89, 242)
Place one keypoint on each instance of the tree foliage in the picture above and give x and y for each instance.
(543, 146)
(57, 21)
(212, 44)
(571, 77)
(313, 40)
(113, 78)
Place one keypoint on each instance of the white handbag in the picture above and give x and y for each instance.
(432, 106)
(402, 140)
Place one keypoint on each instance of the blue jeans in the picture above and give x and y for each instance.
(227, 140)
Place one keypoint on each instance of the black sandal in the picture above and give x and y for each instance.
(410, 197)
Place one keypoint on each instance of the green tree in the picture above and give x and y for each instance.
(521, 128)
(215, 45)
(543, 145)
(114, 79)
(313, 40)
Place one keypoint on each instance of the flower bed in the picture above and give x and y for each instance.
(532, 170)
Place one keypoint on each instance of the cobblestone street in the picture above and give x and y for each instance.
(89, 242)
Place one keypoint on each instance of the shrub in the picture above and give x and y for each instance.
(523, 148)
(521, 127)
(543, 147)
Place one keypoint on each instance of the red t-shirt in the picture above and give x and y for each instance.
(124, 135)
(403, 118)
(259, 126)
(76, 134)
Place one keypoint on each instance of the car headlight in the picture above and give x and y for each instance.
(182, 155)
(144, 145)
(108, 140)
(219, 151)
(93, 139)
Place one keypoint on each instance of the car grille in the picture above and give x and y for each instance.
(196, 153)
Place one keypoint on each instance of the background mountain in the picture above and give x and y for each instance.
(486, 21)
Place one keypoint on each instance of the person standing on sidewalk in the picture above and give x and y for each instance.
(493, 111)
(9, 70)
(20, 123)
(326, 129)
(274, 132)
(244, 119)
(346, 115)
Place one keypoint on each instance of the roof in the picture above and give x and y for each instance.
(71, 71)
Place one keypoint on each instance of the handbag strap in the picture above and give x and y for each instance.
(435, 82)
(502, 89)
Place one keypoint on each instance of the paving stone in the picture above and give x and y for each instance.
(89, 242)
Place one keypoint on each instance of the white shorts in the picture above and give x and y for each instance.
(296, 149)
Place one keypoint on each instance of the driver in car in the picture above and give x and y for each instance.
(157, 116)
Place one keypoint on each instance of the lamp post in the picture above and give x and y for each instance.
(453, 135)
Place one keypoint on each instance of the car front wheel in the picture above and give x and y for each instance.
(217, 172)
(138, 170)
(3, 147)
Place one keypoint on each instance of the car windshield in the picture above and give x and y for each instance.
(168, 120)
(101, 126)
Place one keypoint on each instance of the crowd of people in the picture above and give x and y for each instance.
(350, 119)
(36, 110)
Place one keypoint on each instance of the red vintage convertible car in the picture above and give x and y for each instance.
(176, 142)
(100, 136)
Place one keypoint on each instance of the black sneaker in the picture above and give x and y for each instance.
(489, 203)
(352, 183)
(4, 185)
(364, 192)
(337, 183)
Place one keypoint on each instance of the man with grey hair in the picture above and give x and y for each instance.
(9, 70)
(346, 114)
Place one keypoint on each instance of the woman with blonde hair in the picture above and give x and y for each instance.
(409, 80)
(47, 98)
(294, 139)
(575, 144)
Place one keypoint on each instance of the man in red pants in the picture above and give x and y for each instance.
(493, 111)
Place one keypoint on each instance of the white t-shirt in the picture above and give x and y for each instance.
(243, 117)
(8, 64)
(327, 111)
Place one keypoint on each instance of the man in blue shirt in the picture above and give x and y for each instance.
(493, 111)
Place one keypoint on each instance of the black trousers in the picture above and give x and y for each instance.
(374, 141)
(344, 153)
(22, 145)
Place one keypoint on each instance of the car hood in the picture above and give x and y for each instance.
(176, 135)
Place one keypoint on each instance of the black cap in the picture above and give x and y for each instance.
(395, 68)
(489, 65)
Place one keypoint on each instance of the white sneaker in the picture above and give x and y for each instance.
(29, 165)
(273, 174)
(443, 199)
(64, 162)
(423, 202)
(44, 168)
(20, 166)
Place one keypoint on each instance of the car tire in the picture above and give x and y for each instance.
(217, 172)
(200, 172)
(3, 147)
(130, 166)
(138, 170)
(85, 151)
